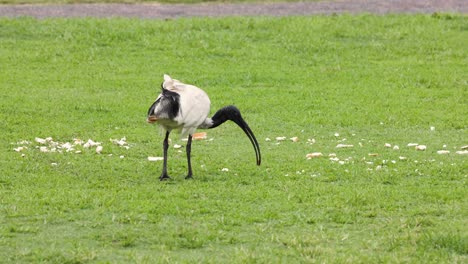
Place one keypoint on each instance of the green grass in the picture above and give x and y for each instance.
(371, 79)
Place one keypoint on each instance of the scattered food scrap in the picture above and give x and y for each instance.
(122, 142)
(77, 146)
(43, 149)
(48, 145)
(344, 146)
(314, 155)
(199, 135)
(91, 143)
(442, 152)
(421, 147)
(99, 149)
(19, 149)
(40, 140)
(155, 158)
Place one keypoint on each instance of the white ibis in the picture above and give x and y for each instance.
(184, 107)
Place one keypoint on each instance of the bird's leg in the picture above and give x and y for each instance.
(188, 149)
(164, 175)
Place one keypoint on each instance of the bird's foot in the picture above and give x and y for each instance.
(164, 177)
(189, 177)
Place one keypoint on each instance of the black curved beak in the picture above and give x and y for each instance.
(232, 113)
(242, 124)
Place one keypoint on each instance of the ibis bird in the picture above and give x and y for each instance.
(185, 108)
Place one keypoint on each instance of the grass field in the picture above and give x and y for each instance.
(357, 80)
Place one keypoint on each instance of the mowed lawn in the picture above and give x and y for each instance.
(373, 84)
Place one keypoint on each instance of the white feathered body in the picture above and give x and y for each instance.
(194, 107)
